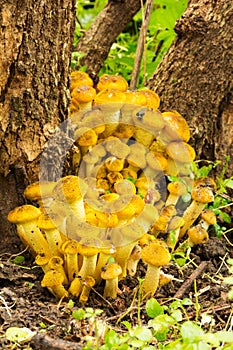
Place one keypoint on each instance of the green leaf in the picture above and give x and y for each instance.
(225, 336)
(226, 217)
(79, 314)
(143, 334)
(191, 332)
(153, 308)
(19, 260)
(19, 335)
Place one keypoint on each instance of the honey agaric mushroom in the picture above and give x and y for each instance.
(106, 251)
(42, 260)
(88, 282)
(152, 99)
(180, 151)
(53, 280)
(176, 127)
(110, 273)
(208, 218)
(197, 235)
(84, 95)
(40, 192)
(70, 249)
(161, 223)
(89, 249)
(56, 263)
(85, 138)
(108, 81)
(49, 223)
(155, 255)
(79, 78)
(70, 190)
(202, 194)
(133, 260)
(110, 101)
(175, 189)
(25, 217)
(114, 164)
(116, 147)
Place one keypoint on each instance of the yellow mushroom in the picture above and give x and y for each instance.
(110, 273)
(155, 255)
(53, 280)
(25, 217)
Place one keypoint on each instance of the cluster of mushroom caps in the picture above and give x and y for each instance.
(133, 194)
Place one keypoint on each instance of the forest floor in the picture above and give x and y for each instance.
(24, 303)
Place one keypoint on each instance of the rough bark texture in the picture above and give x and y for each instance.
(98, 39)
(196, 76)
(35, 46)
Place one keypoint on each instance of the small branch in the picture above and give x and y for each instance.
(187, 284)
(141, 44)
(45, 342)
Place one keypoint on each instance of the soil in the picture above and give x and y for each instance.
(24, 303)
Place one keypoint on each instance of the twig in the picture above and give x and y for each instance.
(187, 284)
(44, 342)
(141, 44)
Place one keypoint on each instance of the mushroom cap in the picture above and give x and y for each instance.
(108, 96)
(107, 81)
(202, 194)
(69, 188)
(209, 216)
(152, 99)
(180, 151)
(89, 247)
(134, 98)
(55, 262)
(79, 78)
(84, 94)
(111, 270)
(23, 214)
(42, 259)
(52, 278)
(116, 147)
(85, 136)
(176, 126)
(114, 164)
(177, 188)
(49, 221)
(124, 186)
(198, 235)
(156, 161)
(70, 247)
(155, 254)
(39, 189)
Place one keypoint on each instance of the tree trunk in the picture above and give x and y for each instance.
(36, 41)
(98, 39)
(196, 77)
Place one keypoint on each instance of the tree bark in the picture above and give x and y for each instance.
(196, 77)
(98, 39)
(35, 47)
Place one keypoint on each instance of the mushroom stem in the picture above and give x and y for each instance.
(133, 260)
(88, 283)
(151, 281)
(88, 266)
(190, 215)
(122, 255)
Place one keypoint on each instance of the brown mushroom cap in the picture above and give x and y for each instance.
(202, 194)
(23, 214)
(155, 254)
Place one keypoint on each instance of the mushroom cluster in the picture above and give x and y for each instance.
(131, 197)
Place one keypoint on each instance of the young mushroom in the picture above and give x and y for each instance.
(70, 190)
(88, 282)
(202, 194)
(197, 235)
(53, 280)
(110, 273)
(84, 95)
(155, 255)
